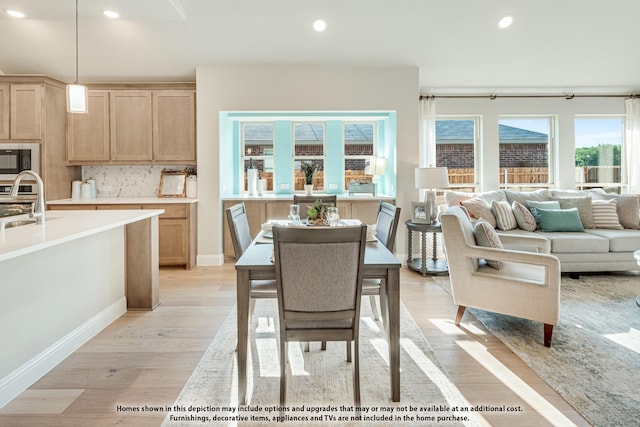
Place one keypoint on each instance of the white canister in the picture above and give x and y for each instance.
(192, 187)
(252, 181)
(76, 189)
(86, 192)
(94, 190)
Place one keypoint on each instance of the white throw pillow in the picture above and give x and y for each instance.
(524, 217)
(605, 214)
(504, 215)
(486, 236)
(479, 208)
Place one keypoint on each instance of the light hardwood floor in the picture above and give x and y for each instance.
(145, 358)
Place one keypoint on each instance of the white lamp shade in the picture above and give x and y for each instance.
(431, 178)
(77, 99)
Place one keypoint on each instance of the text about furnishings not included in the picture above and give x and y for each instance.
(418, 414)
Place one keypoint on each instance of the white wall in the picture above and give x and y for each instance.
(297, 88)
(565, 111)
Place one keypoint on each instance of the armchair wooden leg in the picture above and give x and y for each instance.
(548, 331)
(461, 309)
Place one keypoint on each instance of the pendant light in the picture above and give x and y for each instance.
(77, 97)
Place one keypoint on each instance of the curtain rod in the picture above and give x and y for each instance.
(566, 96)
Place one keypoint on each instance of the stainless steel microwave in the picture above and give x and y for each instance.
(14, 158)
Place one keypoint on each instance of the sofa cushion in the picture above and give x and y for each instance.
(523, 196)
(605, 214)
(627, 206)
(583, 204)
(558, 219)
(504, 215)
(477, 207)
(619, 240)
(570, 242)
(486, 236)
(542, 204)
(454, 198)
(524, 217)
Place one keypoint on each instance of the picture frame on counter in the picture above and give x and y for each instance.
(172, 184)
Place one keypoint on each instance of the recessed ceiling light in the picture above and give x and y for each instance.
(319, 25)
(111, 14)
(505, 22)
(15, 14)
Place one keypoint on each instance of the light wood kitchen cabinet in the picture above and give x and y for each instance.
(88, 134)
(21, 111)
(33, 110)
(177, 228)
(131, 127)
(174, 125)
(259, 211)
(134, 126)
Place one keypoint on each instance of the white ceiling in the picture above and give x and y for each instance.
(572, 46)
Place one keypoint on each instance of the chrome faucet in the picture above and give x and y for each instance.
(38, 208)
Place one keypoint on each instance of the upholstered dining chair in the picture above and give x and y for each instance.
(526, 284)
(386, 227)
(241, 238)
(307, 201)
(319, 286)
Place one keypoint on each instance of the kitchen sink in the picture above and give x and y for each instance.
(18, 223)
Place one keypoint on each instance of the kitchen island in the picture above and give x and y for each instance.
(64, 281)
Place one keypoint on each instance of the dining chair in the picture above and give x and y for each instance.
(319, 288)
(386, 227)
(241, 238)
(308, 201)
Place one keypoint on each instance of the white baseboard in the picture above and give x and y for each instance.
(210, 260)
(23, 377)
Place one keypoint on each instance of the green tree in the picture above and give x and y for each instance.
(590, 156)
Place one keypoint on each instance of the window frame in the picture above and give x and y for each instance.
(295, 158)
(477, 149)
(244, 157)
(366, 158)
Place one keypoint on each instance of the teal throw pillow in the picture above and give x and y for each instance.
(558, 219)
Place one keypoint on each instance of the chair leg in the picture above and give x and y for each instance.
(374, 307)
(356, 373)
(383, 304)
(283, 371)
(349, 351)
(461, 309)
(306, 346)
(323, 346)
(252, 307)
(548, 331)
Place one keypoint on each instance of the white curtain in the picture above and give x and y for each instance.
(427, 147)
(632, 144)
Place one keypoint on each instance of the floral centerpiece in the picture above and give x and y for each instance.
(317, 213)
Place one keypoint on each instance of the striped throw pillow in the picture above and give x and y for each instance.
(505, 220)
(605, 214)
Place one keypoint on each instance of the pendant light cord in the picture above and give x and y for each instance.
(76, 41)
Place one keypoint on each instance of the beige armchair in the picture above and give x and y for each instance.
(527, 285)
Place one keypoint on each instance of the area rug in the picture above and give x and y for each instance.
(319, 388)
(594, 359)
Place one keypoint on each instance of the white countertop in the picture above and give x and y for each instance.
(64, 226)
(122, 201)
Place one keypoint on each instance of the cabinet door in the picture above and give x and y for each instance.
(131, 130)
(367, 212)
(278, 210)
(26, 111)
(88, 134)
(4, 111)
(173, 236)
(174, 125)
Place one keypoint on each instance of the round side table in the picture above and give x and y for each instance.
(423, 265)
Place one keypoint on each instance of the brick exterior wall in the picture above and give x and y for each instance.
(511, 155)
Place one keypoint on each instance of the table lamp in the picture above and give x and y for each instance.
(430, 179)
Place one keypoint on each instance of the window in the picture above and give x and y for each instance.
(359, 152)
(308, 145)
(456, 145)
(525, 151)
(257, 149)
(599, 142)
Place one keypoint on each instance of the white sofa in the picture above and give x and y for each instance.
(591, 250)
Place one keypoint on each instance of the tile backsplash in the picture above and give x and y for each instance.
(127, 181)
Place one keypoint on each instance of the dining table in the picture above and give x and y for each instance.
(256, 264)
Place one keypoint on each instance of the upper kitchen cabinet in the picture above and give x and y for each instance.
(21, 111)
(134, 126)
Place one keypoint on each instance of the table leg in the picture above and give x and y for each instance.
(434, 256)
(423, 270)
(409, 246)
(392, 290)
(242, 288)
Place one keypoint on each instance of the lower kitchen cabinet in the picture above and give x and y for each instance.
(177, 228)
